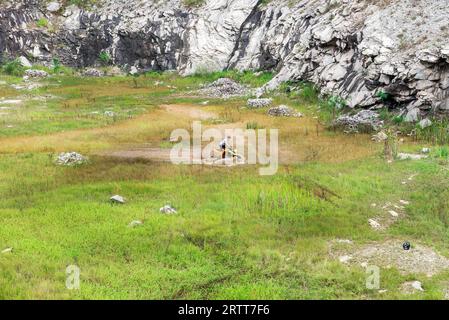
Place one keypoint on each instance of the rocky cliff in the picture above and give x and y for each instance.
(370, 52)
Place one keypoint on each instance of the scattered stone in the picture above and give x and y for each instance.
(374, 224)
(283, 111)
(404, 202)
(135, 223)
(7, 250)
(118, 199)
(411, 287)
(92, 72)
(383, 291)
(167, 210)
(109, 113)
(424, 123)
(70, 159)
(425, 150)
(25, 62)
(410, 156)
(205, 103)
(10, 102)
(393, 213)
(224, 88)
(53, 6)
(418, 260)
(362, 121)
(347, 241)
(259, 103)
(345, 259)
(31, 73)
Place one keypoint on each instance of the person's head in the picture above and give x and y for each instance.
(228, 138)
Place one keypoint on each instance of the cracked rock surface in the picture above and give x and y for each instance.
(350, 48)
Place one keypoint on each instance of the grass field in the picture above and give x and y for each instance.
(237, 235)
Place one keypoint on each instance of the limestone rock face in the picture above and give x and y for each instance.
(350, 48)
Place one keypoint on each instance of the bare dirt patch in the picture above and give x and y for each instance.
(390, 254)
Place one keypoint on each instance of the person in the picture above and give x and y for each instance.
(224, 144)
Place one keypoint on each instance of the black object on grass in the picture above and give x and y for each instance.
(406, 245)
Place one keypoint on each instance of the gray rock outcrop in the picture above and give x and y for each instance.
(355, 49)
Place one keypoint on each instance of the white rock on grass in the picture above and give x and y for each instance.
(404, 202)
(118, 199)
(410, 156)
(345, 259)
(135, 223)
(133, 71)
(70, 159)
(425, 150)
(109, 113)
(411, 287)
(374, 224)
(393, 213)
(424, 123)
(7, 250)
(168, 210)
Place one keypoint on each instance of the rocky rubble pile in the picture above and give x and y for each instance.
(31, 73)
(224, 88)
(283, 111)
(92, 72)
(70, 159)
(259, 103)
(362, 121)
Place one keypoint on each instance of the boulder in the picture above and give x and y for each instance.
(24, 62)
(424, 123)
(133, 71)
(53, 6)
(412, 115)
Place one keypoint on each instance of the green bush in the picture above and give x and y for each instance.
(383, 96)
(42, 23)
(13, 68)
(104, 57)
(56, 65)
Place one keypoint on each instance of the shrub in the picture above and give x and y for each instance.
(13, 68)
(383, 96)
(42, 23)
(56, 65)
(104, 57)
